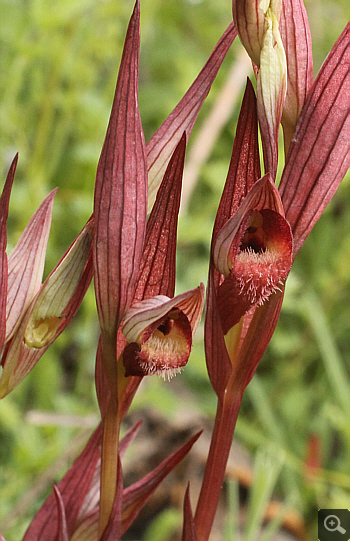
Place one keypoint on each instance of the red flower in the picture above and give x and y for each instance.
(254, 253)
(159, 331)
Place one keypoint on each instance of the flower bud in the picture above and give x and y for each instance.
(250, 17)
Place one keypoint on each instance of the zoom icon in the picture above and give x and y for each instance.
(333, 525)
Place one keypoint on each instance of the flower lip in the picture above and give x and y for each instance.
(260, 259)
(148, 311)
(159, 331)
(253, 252)
(164, 347)
(263, 195)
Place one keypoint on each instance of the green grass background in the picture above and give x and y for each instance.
(59, 63)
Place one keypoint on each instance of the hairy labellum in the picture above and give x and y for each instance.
(260, 261)
(159, 332)
(164, 347)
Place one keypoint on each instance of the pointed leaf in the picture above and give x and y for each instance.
(26, 264)
(244, 168)
(62, 531)
(92, 496)
(296, 38)
(157, 270)
(319, 153)
(4, 208)
(162, 144)
(136, 496)
(80, 493)
(129, 437)
(189, 530)
(87, 529)
(73, 489)
(121, 193)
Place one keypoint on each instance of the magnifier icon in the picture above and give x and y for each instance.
(332, 524)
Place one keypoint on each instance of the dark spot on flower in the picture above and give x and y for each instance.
(253, 241)
(254, 238)
(166, 326)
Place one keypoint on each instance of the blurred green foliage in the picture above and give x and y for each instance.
(59, 64)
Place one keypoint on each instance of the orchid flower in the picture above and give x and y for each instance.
(145, 328)
(259, 229)
(134, 281)
(159, 332)
(37, 313)
(254, 253)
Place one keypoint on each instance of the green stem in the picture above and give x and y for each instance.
(111, 430)
(225, 422)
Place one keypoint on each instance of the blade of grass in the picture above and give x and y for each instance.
(231, 528)
(266, 470)
(330, 354)
(270, 421)
(272, 527)
(263, 409)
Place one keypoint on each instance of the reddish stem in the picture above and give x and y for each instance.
(225, 422)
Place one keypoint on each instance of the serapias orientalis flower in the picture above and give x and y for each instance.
(159, 332)
(37, 313)
(254, 253)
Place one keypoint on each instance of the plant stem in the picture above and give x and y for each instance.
(111, 429)
(225, 422)
(109, 463)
